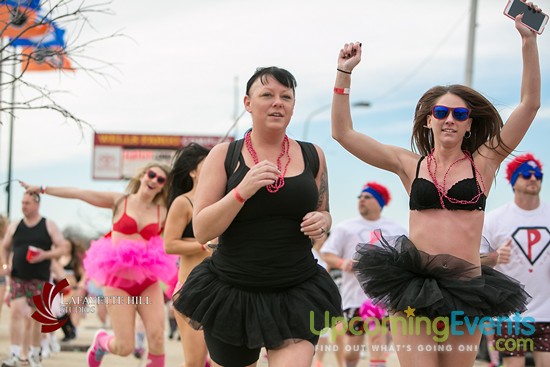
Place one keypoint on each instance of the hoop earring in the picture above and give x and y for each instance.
(468, 134)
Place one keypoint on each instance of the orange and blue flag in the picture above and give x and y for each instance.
(45, 52)
(22, 19)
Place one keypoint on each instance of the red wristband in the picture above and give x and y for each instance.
(344, 91)
(340, 263)
(238, 196)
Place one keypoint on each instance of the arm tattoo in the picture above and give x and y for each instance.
(323, 190)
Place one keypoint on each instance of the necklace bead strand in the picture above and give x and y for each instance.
(285, 148)
(441, 190)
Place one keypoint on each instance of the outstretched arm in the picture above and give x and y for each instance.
(360, 145)
(102, 199)
(523, 115)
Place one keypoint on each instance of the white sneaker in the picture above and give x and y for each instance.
(54, 344)
(45, 351)
(13, 361)
(34, 361)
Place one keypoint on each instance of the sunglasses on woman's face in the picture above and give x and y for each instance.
(152, 174)
(459, 113)
(527, 175)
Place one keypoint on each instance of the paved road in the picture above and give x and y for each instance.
(70, 356)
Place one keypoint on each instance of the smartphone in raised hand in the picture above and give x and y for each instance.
(532, 19)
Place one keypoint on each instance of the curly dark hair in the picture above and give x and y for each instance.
(486, 121)
(184, 161)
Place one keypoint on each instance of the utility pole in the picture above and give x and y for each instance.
(471, 44)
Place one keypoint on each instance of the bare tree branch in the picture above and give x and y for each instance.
(76, 16)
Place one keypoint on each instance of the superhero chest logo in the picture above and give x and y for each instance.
(532, 241)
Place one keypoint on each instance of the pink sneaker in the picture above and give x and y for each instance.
(95, 352)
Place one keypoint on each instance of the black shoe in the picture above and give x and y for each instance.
(69, 337)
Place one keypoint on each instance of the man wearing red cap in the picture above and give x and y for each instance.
(521, 230)
(338, 252)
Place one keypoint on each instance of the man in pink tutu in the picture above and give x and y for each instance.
(521, 231)
(129, 262)
(338, 252)
(35, 241)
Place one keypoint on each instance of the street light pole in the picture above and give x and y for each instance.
(471, 44)
(318, 110)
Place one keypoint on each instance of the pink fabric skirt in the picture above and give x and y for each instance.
(130, 259)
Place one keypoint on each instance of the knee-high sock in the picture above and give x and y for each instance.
(105, 341)
(155, 360)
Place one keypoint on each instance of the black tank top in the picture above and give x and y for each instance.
(24, 237)
(424, 194)
(263, 248)
(188, 231)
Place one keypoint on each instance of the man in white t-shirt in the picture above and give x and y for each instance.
(338, 252)
(521, 231)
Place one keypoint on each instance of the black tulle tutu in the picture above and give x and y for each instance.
(257, 318)
(394, 273)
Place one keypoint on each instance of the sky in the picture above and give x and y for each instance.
(181, 68)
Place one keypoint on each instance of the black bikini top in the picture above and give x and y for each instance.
(424, 194)
(188, 231)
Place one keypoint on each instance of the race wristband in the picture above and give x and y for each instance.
(238, 196)
(341, 90)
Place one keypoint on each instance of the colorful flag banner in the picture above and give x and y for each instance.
(45, 59)
(19, 21)
(45, 52)
(33, 4)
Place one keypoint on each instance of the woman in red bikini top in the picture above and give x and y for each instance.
(129, 261)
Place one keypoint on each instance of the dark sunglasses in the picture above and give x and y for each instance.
(459, 113)
(527, 175)
(152, 174)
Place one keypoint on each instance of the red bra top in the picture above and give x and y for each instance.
(128, 225)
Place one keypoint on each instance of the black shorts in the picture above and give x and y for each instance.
(228, 355)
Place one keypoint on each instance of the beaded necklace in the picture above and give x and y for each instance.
(280, 182)
(441, 188)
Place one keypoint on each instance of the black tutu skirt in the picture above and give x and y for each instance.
(258, 318)
(395, 274)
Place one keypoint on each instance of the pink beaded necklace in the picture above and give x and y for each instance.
(442, 191)
(280, 182)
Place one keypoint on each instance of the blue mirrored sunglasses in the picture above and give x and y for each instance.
(459, 113)
(527, 175)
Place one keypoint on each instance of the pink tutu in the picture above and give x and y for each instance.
(369, 310)
(129, 259)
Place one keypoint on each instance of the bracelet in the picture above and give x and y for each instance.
(343, 71)
(340, 263)
(42, 189)
(344, 91)
(238, 196)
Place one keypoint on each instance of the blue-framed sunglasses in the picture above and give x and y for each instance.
(459, 113)
(527, 175)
